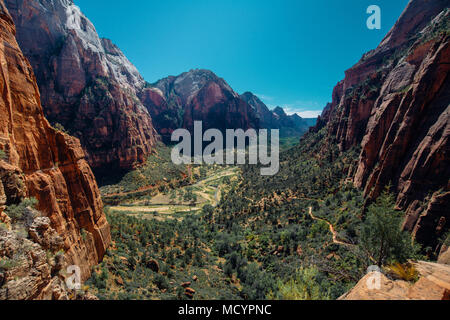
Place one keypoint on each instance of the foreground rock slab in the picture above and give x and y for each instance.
(433, 284)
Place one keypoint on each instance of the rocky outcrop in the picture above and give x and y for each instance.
(46, 164)
(86, 83)
(27, 272)
(394, 103)
(289, 125)
(33, 265)
(197, 95)
(444, 255)
(433, 284)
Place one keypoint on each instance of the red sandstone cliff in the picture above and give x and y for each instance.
(49, 165)
(86, 83)
(395, 104)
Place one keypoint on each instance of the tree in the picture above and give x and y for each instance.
(172, 197)
(303, 286)
(381, 237)
(194, 199)
(20, 211)
(188, 195)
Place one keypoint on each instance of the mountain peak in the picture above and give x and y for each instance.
(279, 111)
(188, 84)
(254, 101)
(296, 116)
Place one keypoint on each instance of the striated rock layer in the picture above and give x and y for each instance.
(39, 161)
(33, 267)
(395, 104)
(87, 84)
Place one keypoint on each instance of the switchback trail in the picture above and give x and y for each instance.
(332, 230)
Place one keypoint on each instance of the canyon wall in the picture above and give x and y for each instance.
(395, 104)
(47, 164)
(87, 84)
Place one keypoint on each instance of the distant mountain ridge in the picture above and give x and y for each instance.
(197, 95)
(177, 101)
(289, 125)
(89, 88)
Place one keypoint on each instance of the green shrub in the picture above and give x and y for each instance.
(445, 239)
(303, 286)
(83, 234)
(60, 127)
(3, 155)
(7, 264)
(17, 212)
(406, 272)
(161, 281)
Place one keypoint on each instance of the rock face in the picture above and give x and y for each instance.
(87, 85)
(444, 256)
(434, 284)
(266, 117)
(289, 126)
(28, 274)
(394, 103)
(197, 95)
(47, 164)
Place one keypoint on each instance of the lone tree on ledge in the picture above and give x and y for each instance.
(381, 236)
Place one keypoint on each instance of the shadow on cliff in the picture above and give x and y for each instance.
(109, 175)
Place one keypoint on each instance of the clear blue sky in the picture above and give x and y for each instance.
(289, 52)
